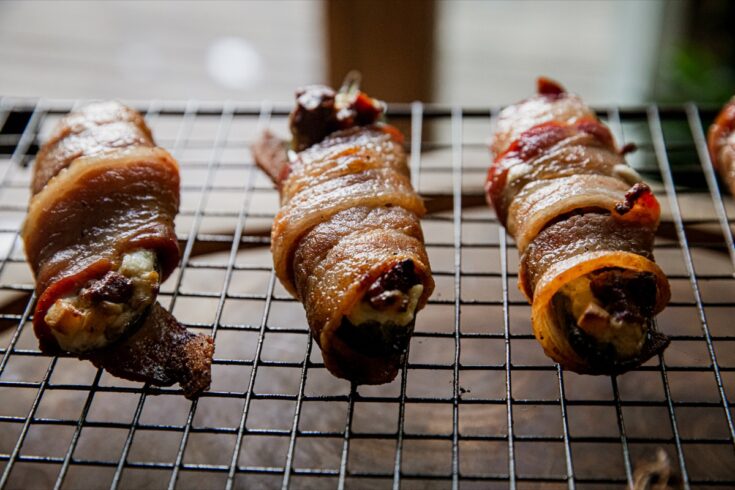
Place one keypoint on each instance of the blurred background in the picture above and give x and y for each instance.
(473, 53)
(469, 52)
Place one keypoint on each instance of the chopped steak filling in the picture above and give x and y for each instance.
(607, 313)
(102, 310)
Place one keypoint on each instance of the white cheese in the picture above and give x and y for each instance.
(628, 338)
(364, 312)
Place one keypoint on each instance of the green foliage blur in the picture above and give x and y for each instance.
(694, 73)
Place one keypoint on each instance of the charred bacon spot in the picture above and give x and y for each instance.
(631, 197)
(113, 287)
(385, 291)
(549, 88)
(635, 193)
(628, 148)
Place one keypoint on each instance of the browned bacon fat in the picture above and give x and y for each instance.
(100, 239)
(721, 142)
(584, 224)
(347, 241)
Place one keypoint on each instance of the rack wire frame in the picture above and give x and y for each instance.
(20, 123)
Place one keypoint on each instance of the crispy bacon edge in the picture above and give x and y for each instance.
(161, 351)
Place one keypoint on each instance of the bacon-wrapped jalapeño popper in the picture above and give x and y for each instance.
(721, 143)
(347, 241)
(99, 236)
(584, 224)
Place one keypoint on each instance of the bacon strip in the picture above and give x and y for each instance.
(721, 143)
(162, 352)
(564, 192)
(101, 189)
(551, 105)
(348, 217)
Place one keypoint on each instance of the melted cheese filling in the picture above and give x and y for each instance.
(80, 325)
(627, 337)
(364, 312)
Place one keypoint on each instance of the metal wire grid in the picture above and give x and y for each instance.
(533, 424)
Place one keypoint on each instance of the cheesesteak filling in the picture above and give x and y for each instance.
(382, 322)
(103, 309)
(607, 314)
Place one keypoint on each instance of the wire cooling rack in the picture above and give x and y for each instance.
(477, 405)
